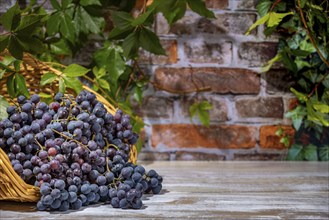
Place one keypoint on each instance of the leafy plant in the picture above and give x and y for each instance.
(60, 32)
(304, 52)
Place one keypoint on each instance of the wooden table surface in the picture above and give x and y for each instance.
(216, 190)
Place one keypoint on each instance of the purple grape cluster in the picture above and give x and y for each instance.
(76, 152)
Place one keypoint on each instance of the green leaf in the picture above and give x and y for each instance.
(99, 73)
(48, 78)
(73, 83)
(90, 2)
(60, 48)
(193, 109)
(65, 3)
(31, 44)
(301, 96)
(92, 23)
(321, 107)
(3, 107)
(271, 62)
(75, 70)
(29, 24)
(10, 20)
(61, 85)
(115, 66)
(260, 21)
(172, 10)
(122, 19)
(310, 153)
(53, 23)
(130, 45)
(7, 60)
(271, 19)
(142, 18)
(302, 3)
(279, 132)
(67, 28)
(204, 117)
(295, 152)
(199, 7)
(2, 73)
(120, 33)
(263, 7)
(202, 110)
(15, 48)
(285, 141)
(288, 61)
(205, 105)
(55, 4)
(324, 153)
(138, 94)
(45, 95)
(11, 86)
(4, 40)
(103, 84)
(275, 18)
(21, 85)
(150, 42)
(297, 122)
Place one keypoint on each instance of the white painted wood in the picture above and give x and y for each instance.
(216, 190)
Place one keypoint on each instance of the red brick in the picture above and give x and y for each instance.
(268, 138)
(256, 54)
(192, 136)
(205, 52)
(170, 47)
(217, 4)
(219, 80)
(260, 107)
(186, 155)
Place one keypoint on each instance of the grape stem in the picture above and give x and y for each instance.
(72, 139)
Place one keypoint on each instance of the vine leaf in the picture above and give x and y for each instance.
(201, 109)
(47, 78)
(3, 106)
(271, 19)
(310, 152)
(295, 152)
(324, 153)
(263, 7)
(75, 70)
(200, 8)
(10, 20)
(150, 42)
(21, 85)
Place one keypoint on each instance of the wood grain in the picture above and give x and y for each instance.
(216, 190)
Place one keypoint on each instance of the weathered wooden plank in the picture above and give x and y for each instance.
(217, 190)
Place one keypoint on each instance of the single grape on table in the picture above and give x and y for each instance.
(76, 152)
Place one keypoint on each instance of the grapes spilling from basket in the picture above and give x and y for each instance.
(76, 152)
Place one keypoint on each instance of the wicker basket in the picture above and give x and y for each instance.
(12, 186)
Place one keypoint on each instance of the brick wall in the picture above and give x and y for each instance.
(214, 55)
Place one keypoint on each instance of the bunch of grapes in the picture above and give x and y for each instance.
(76, 152)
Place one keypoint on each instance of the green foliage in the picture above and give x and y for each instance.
(52, 35)
(304, 51)
(201, 109)
(3, 106)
